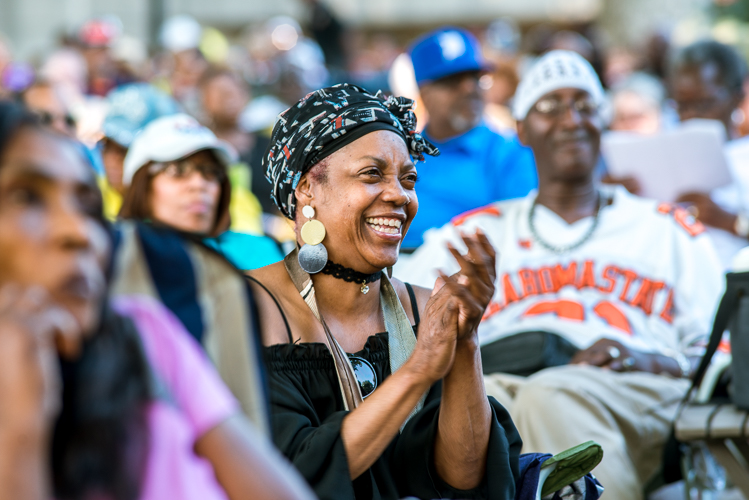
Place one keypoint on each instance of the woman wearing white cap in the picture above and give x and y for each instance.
(176, 175)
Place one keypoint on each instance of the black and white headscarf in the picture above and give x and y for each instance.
(325, 121)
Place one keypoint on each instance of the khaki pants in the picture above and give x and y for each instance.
(628, 414)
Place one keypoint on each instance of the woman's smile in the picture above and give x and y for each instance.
(388, 228)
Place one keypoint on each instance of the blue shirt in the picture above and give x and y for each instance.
(246, 251)
(472, 170)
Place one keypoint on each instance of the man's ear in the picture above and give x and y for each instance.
(303, 191)
(521, 133)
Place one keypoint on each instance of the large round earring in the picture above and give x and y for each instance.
(313, 256)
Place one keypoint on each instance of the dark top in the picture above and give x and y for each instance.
(307, 411)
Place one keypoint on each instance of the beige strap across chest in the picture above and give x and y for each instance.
(401, 338)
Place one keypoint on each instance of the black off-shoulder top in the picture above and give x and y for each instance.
(306, 415)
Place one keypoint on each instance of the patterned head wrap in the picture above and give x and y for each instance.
(323, 122)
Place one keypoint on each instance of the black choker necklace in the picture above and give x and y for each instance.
(351, 276)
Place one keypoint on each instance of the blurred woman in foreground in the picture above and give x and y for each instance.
(136, 411)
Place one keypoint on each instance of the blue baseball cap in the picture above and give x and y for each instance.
(132, 107)
(446, 52)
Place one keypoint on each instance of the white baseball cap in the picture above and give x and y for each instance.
(558, 69)
(170, 138)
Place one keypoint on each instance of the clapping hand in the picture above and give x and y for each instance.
(473, 285)
(456, 307)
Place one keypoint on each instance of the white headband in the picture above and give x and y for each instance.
(558, 69)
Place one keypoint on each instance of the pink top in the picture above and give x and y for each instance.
(192, 401)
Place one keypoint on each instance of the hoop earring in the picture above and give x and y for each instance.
(313, 256)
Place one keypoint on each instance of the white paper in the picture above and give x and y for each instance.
(687, 159)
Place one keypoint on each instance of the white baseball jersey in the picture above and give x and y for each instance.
(648, 276)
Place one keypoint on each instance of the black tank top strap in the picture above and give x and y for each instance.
(285, 321)
(414, 304)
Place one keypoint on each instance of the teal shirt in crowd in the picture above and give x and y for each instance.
(246, 251)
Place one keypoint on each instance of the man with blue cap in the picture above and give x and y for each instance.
(477, 165)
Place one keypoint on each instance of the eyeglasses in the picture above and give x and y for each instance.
(182, 169)
(554, 107)
(365, 375)
(48, 119)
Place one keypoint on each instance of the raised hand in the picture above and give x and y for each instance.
(473, 285)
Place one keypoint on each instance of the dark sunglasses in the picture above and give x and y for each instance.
(365, 375)
(182, 169)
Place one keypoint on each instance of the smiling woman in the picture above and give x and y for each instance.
(338, 330)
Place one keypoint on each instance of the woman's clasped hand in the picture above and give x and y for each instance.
(454, 310)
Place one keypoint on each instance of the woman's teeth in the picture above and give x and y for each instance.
(387, 226)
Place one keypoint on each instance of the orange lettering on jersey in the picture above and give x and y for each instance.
(688, 222)
(487, 210)
(528, 282)
(587, 278)
(665, 208)
(667, 314)
(609, 275)
(613, 316)
(564, 309)
(546, 280)
(525, 244)
(491, 310)
(564, 276)
(629, 277)
(645, 295)
(693, 226)
(510, 294)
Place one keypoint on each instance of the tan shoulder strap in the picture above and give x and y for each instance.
(350, 391)
(401, 338)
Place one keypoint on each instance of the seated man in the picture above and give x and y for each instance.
(618, 290)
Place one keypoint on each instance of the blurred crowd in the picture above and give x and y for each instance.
(103, 86)
(204, 145)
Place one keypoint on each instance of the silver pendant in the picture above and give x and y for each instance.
(313, 258)
(364, 288)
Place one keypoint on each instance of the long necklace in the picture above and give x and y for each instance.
(568, 248)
